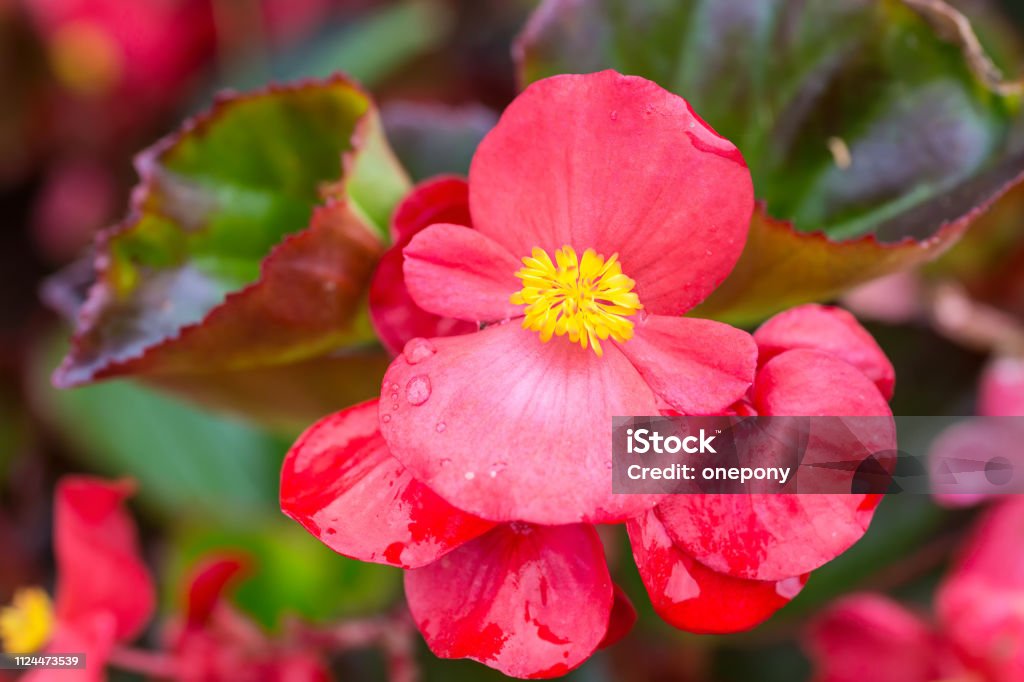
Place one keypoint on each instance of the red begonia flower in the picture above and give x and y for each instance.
(530, 601)
(979, 604)
(870, 637)
(394, 314)
(626, 210)
(215, 642)
(105, 594)
(695, 598)
(341, 483)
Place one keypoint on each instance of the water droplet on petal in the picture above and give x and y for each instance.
(417, 391)
(418, 350)
(614, 115)
(494, 474)
(394, 406)
(386, 418)
(470, 475)
(441, 426)
(394, 396)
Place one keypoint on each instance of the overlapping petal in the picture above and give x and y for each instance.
(395, 315)
(870, 637)
(457, 272)
(508, 428)
(99, 565)
(696, 366)
(772, 537)
(341, 483)
(621, 620)
(692, 597)
(831, 330)
(530, 601)
(620, 165)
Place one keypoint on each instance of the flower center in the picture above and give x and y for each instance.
(27, 624)
(589, 299)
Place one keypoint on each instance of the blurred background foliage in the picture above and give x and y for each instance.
(440, 71)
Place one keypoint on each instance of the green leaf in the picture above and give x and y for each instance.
(856, 118)
(186, 461)
(250, 243)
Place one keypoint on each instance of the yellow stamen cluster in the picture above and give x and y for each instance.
(27, 624)
(589, 299)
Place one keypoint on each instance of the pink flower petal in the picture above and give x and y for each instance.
(530, 601)
(830, 330)
(774, 536)
(870, 637)
(457, 272)
(441, 199)
(509, 428)
(100, 572)
(394, 314)
(960, 458)
(205, 586)
(1002, 388)
(979, 604)
(620, 165)
(694, 598)
(697, 366)
(341, 483)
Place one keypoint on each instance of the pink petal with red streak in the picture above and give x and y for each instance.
(341, 483)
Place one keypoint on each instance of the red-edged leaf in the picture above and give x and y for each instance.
(186, 286)
(837, 108)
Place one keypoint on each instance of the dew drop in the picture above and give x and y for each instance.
(394, 387)
(386, 418)
(394, 396)
(394, 406)
(692, 124)
(417, 391)
(441, 426)
(470, 475)
(614, 115)
(418, 350)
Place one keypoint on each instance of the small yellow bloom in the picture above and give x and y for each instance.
(27, 624)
